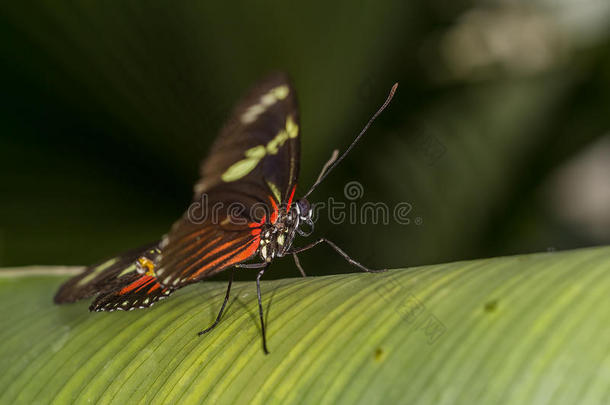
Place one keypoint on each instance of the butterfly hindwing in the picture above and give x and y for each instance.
(136, 291)
(101, 276)
(195, 251)
(124, 282)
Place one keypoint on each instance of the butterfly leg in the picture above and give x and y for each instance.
(251, 265)
(263, 266)
(338, 250)
(260, 306)
(297, 262)
(224, 304)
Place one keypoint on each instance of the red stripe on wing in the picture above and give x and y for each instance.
(191, 255)
(291, 197)
(138, 284)
(156, 286)
(275, 212)
(239, 241)
(243, 254)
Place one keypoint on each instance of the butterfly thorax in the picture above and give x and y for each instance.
(277, 237)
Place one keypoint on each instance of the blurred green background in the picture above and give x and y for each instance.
(498, 137)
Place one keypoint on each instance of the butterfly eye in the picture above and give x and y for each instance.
(304, 208)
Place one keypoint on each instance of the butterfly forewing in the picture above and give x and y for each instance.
(252, 169)
(259, 144)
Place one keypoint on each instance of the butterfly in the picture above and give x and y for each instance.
(244, 208)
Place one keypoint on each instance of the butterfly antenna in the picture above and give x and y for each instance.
(333, 162)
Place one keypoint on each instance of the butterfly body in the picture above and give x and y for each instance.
(277, 238)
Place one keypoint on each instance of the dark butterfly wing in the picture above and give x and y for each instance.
(100, 276)
(194, 251)
(135, 291)
(259, 144)
(124, 282)
(251, 171)
(254, 163)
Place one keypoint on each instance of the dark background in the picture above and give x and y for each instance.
(499, 134)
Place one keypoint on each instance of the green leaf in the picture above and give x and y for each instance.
(522, 329)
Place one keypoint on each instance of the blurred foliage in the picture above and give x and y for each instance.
(107, 109)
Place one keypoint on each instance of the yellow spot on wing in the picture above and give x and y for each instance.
(274, 144)
(258, 152)
(265, 101)
(252, 113)
(280, 92)
(268, 99)
(96, 271)
(241, 168)
(274, 190)
(254, 155)
(291, 131)
(127, 270)
(147, 265)
(291, 127)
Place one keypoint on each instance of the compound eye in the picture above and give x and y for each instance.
(304, 208)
